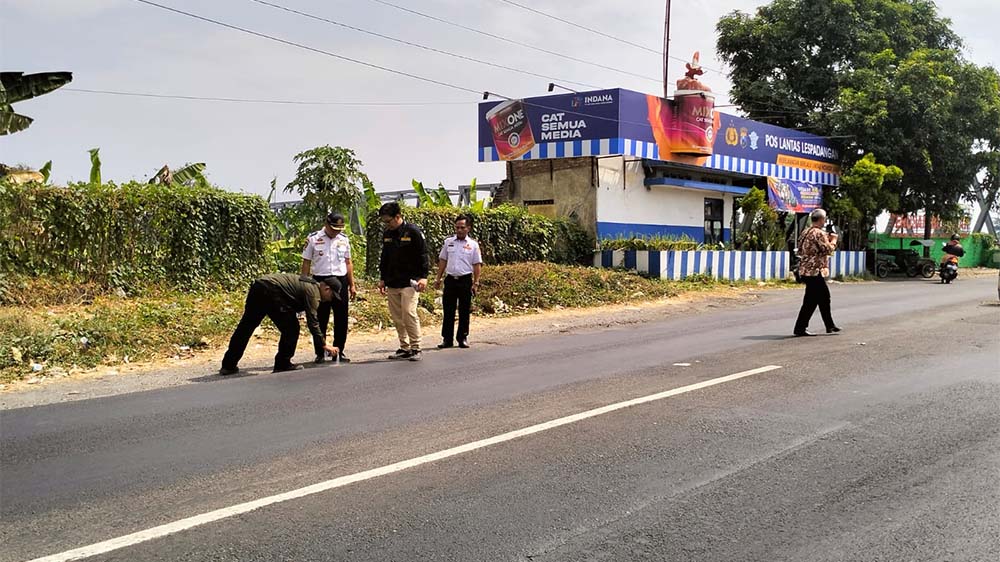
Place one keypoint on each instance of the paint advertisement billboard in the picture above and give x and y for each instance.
(686, 129)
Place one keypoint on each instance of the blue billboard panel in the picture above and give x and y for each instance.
(686, 129)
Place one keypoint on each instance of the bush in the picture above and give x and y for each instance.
(133, 235)
(650, 243)
(506, 234)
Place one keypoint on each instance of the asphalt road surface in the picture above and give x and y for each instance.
(881, 443)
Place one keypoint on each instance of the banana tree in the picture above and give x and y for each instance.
(191, 174)
(95, 166)
(18, 86)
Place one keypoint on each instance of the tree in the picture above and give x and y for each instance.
(861, 197)
(328, 179)
(789, 61)
(18, 86)
(885, 76)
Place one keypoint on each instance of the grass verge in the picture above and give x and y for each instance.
(55, 332)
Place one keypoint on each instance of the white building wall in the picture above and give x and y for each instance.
(626, 207)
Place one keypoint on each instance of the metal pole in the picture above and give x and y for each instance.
(666, 50)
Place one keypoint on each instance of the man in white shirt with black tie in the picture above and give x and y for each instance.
(459, 265)
(328, 254)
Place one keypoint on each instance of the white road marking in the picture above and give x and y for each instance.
(239, 509)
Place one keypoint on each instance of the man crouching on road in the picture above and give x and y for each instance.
(279, 297)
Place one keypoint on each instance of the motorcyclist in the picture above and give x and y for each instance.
(952, 250)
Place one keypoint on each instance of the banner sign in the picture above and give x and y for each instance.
(794, 196)
(686, 129)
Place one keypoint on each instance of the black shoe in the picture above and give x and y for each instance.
(343, 358)
(320, 359)
(286, 368)
(464, 344)
(400, 354)
(228, 371)
(445, 345)
(832, 329)
(415, 355)
(804, 333)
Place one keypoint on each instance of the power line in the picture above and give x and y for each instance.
(417, 45)
(513, 42)
(265, 101)
(308, 48)
(583, 27)
(599, 32)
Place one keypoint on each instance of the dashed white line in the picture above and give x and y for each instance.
(226, 512)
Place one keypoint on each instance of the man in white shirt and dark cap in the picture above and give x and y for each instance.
(328, 254)
(459, 265)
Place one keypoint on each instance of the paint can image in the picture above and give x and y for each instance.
(512, 134)
(695, 119)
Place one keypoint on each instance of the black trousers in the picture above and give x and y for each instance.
(339, 309)
(457, 292)
(817, 294)
(260, 303)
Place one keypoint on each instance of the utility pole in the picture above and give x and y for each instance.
(666, 50)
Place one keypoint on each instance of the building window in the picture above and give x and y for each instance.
(713, 221)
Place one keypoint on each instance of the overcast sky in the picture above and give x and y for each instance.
(123, 45)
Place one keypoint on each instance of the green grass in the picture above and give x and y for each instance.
(67, 326)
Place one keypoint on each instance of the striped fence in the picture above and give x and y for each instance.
(730, 266)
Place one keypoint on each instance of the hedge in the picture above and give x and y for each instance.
(506, 234)
(133, 234)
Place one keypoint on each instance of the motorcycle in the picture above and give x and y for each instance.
(949, 269)
(949, 263)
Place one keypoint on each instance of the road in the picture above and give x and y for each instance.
(881, 443)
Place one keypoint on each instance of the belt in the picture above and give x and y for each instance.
(460, 276)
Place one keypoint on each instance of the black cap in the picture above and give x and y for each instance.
(336, 221)
(334, 284)
(956, 237)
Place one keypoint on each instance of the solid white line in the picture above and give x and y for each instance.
(211, 516)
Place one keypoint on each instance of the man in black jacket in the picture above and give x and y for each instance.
(403, 274)
(279, 297)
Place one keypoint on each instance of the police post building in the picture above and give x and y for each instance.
(626, 164)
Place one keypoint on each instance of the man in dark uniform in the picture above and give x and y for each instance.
(279, 297)
(403, 274)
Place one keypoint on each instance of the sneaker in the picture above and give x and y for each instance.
(285, 368)
(464, 344)
(414, 355)
(445, 345)
(400, 354)
(229, 371)
(344, 359)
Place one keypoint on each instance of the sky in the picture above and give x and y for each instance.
(401, 128)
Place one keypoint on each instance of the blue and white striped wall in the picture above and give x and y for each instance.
(645, 149)
(847, 264)
(729, 266)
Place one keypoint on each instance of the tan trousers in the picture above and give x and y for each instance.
(403, 310)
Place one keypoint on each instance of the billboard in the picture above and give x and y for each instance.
(686, 129)
(794, 196)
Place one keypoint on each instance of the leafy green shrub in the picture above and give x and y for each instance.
(506, 234)
(654, 243)
(133, 235)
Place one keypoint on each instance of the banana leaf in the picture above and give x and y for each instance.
(422, 195)
(11, 122)
(46, 171)
(95, 166)
(18, 86)
(191, 174)
(472, 192)
(441, 197)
